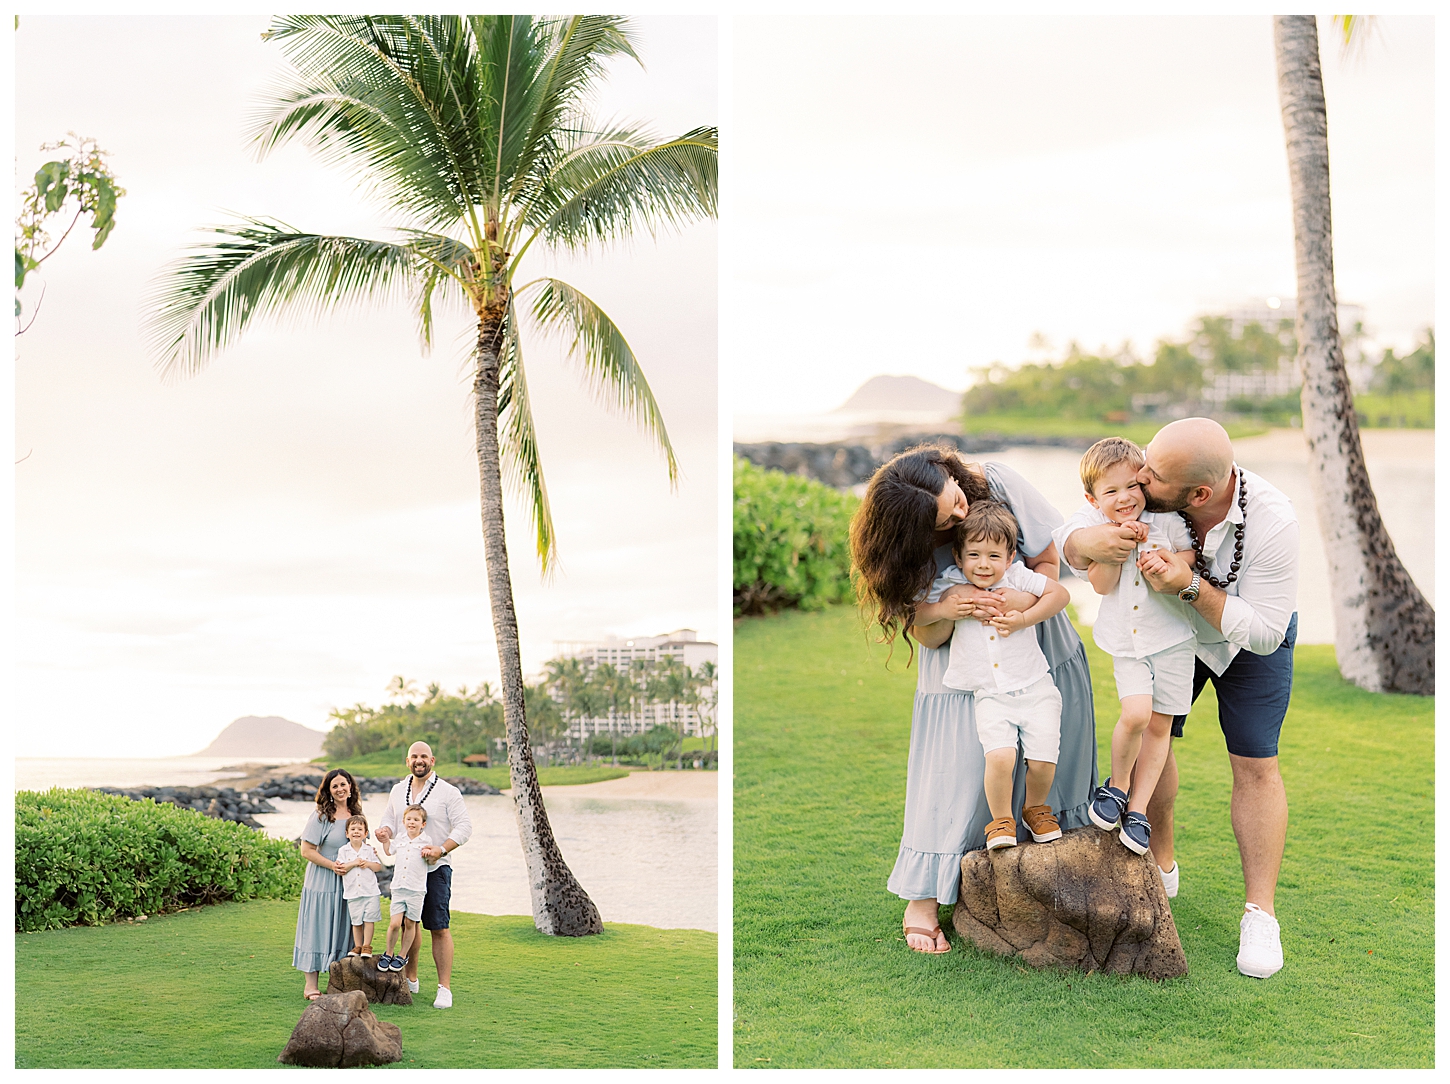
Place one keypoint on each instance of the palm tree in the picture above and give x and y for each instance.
(475, 130)
(1384, 628)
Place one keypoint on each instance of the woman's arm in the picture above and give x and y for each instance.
(1045, 562)
(312, 854)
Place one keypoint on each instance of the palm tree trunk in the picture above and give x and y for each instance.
(560, 905)
(1384, 635)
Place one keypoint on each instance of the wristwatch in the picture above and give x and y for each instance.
(1190, 593)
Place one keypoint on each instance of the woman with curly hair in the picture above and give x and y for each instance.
(900, 542)
(324, 931)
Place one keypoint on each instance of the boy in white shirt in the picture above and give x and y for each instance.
(360, 885)
(1149, 636)
(1015, 697)
(410, 883)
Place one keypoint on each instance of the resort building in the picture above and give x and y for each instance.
(681, 645)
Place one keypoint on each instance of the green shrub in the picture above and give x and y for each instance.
(83, 858)
(791, 545)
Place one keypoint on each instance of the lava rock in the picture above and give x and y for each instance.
(338, 1031)
(361, 973)
(1082, 901)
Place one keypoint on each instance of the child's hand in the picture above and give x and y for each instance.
(1009, 622)
(1139, 529)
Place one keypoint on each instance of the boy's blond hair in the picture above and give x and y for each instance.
(987, 521)
(417, 809)
(1105, 454)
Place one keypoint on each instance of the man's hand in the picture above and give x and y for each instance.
(1107, 544)
(1009, 622)
(384, 834)
(1165, 571)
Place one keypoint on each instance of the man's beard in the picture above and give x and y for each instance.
(1176, 503)
(421, 770)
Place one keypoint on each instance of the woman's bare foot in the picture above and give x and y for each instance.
(922, 915)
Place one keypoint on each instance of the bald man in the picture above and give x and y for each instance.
(447, 828)
(1241, 595)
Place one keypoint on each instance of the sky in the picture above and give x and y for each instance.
(283, 533)
(912, 196)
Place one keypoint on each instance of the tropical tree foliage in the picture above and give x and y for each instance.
(476, 131)
(455, 725)
(81, 183)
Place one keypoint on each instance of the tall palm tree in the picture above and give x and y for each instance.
(1384, 628)
(475, 130)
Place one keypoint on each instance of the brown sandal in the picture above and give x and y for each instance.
(933, 934)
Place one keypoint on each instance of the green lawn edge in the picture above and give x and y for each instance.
(390, 764)
(822, 977)
(213, 987)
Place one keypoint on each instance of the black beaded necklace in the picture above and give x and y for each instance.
(1233, 569)
(408, 794)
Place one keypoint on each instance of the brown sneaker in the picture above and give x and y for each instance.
(1041, 823)
(366, 952)
(1002, 832)
(354, 951)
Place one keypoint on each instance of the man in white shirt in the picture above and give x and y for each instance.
(448, 827)
(1241, 595)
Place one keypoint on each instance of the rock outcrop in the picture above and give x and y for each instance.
(338, 1031)
(361, 973)
(1082, 901)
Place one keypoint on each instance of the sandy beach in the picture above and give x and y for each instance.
(661, 786)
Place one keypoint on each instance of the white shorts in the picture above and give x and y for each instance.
(362, 909)
(1034, 714)
(408, 904)
(1166, 675)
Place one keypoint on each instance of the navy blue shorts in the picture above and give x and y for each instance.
(1253, 696)
(435, 903)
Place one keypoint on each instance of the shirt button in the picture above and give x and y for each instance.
(991, 637)
(1135, 607)
(1135, 632)
(994, 665)
(1135, 583)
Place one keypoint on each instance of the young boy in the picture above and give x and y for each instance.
(1149, 636)
(410, 884)
(1015, 697)
(360, 885)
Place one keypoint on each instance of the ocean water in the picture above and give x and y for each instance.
(650, 862)
(1401, 465)
(42, 773)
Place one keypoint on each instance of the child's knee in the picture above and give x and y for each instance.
(1137, 712)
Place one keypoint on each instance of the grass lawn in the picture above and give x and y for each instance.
(1403, 410)
(823, 977)
(214, 988)
(390, 763)
(1141, 432)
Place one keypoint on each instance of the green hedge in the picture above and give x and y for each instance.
(791, 545)
(83, 858)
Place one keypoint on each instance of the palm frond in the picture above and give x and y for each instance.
(520, 445)
(608, 185)
(394, 94)
(610, 367)
(259, 268)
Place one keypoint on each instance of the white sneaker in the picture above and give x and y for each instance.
(1259, 952)
(412, 986)
(1170, 880)
(444, 1000)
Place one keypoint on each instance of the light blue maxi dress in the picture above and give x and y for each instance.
(946, 809)
(324, 933)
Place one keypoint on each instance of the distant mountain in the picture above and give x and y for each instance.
(265, 736)
(903, 393)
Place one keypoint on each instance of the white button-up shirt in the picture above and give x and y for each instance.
(1260, 602)
(447, 815)
(1134, 620)
(982, 660)
(410, 868)
(361, 882)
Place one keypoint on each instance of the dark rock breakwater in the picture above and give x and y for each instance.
(844, 464)
(229, 804)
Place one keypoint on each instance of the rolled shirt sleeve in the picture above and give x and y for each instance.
(1086, 516)
(1257, 617)
(460, 827)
